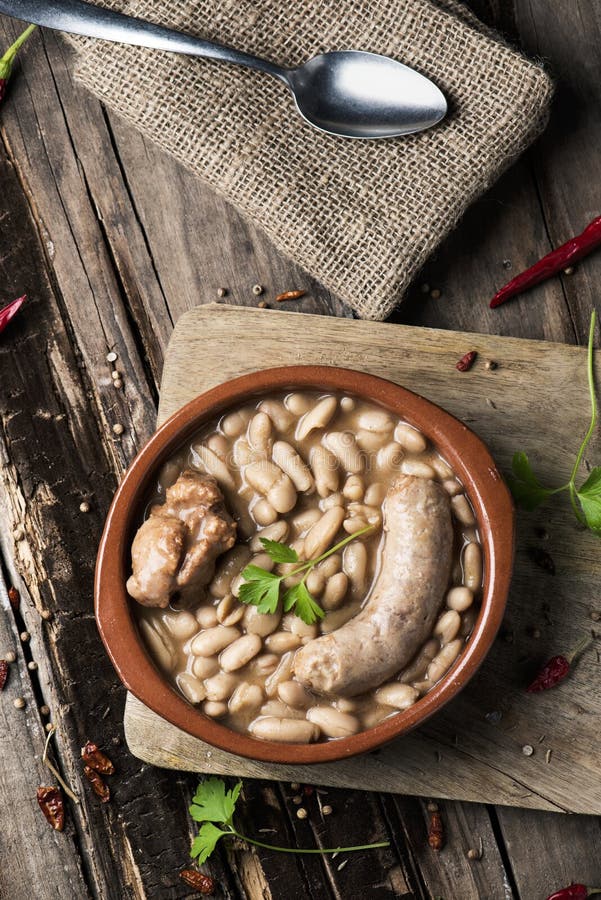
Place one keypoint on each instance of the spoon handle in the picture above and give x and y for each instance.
(78, 17)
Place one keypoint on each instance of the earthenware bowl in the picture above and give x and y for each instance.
(462, 448)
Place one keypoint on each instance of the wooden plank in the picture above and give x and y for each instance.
(510, 407)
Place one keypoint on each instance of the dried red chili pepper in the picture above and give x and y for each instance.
(566, 255)
(50, 800)
(204, 884)
(98, 786)
(8, 312)
(436, 832)
(556, 669)
(6, 62)
(467, 361)
(574, 892)
(14, 598)
(289, 295)
(3, 672)
(96, 759)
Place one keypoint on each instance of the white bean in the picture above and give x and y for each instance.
(281, 710)
(354, 565)
(442, 469)
(401, 696)
(325, 470)
(332, 722)
(472, 566)
(348, 704)
(219, 445)
(278, 414)
(191, 687)
(318, 417)
(282, 641)
(452, 487)
(220, 686)
(304, 520)
(242, 452)
(460, 599)
(276, 532)
(246, 696)
(390, 456)
(214, 709)
(354, 488)
(287, 731)
(347, 404)
(298, 404)
(417, 468)
(234, 424)
(262, 624)
(462, 510)
(330, 566)
(374, 495)
(370, 514)
(338, 617)
(296, 626)
(375, 420)
(204, 458)
(468, 620)
(409, 437)
(229, 611)
(259, 433)
(344, 447)
(205, 666)
(419, 666)
(159, 646)
(182, 624)
(263, 512)
(213, 640)
(372, 717)
(321, 535)
(335, 591)
(293, 465)
(240, 652)
(315, 583)
(266, 664)
(282, 673)
(229, 566)
(267, 478)
(294, 694)
(441, 663)
(447, 627)
(332, 500)
(353, 525)
(371, 441)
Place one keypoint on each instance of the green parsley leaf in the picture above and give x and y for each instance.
(525, 487)
(589, 497)
(305, 606)
(279, 553)
(261, 589)
(212, 803)
(205, 842)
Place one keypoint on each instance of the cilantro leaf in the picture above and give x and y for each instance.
(305, 606)
(524, 485)
(589, 497)
(279, 553)
(261, 589)
(205, 842)
(212, 803)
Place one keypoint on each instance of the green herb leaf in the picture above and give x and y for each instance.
(526, 489)
(279, 553)
(212, 803)
(205, 842)
(261, 589)
(589, 497)
(304, 605)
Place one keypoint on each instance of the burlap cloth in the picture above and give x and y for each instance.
(361, 216)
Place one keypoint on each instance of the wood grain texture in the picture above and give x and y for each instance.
(537, 390)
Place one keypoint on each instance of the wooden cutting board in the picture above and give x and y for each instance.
(535, 399)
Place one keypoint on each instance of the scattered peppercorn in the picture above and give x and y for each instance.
(435, 294)
(204, 884)
(18, 533)
(10, 657)
(222, 292)
(32, 665)
(25, 636)
(595, 616)
(14, 598)
(262, 304)
(46, 614)
(118, 428)
(425, 288)
(84, 507)
(115, 374)
(111, 357)
(117, 384)
(295, 786)
(467, 361)
(556, 669)
(44, 710)
(527, 750)
(432, 807)
(49, 727)
(436, 832)
(19, 703)
(326, 810)
(569, 270)
(301, 813)
(491, 365)
(257, 290)
(473, 854)
(297, 799)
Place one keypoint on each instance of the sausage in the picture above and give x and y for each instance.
(399, 613)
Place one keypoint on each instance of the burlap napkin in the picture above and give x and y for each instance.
(361, 216)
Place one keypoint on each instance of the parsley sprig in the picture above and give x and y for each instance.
(586, 499)
(262, 588)
(213, 806)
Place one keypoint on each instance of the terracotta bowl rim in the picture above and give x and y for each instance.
(484, 485)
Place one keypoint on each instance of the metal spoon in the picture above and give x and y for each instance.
(348, 93)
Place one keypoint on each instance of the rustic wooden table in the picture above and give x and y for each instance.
(112, 241)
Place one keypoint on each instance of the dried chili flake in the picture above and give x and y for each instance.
(6, 62)
(96, 759)
(14, 598)
(204, 884)
(9, 312)
(556, 669)
(436, 832)
(50, 800)
(467, 361)
(574, 892)
(3, 672)
(98, 786)
(289, 295)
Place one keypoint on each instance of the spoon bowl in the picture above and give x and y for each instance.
(356, 94)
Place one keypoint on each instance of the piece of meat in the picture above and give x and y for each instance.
(400, 611)
(177, 545)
